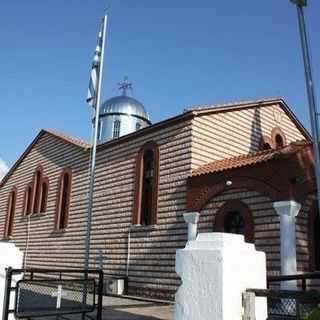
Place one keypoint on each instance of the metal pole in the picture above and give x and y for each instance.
(310, 90)
(94, 149)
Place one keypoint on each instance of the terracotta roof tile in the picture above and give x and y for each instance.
(250, 159)
(231, 105)
(70, 139)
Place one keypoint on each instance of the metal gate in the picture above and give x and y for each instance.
(51, 293)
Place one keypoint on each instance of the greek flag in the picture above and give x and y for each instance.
(94, 77)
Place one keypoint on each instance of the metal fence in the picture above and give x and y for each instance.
(288, 304)
(46, 293)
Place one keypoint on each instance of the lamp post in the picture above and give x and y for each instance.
(300, 4)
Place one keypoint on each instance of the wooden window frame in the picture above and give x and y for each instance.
(11, 210)
(65, 171)
(136, 218)
(44, 198)
(27, 204)
(36, 189)
(238, 206)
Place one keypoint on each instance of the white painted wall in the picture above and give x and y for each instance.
(10, 256)
(215, 270)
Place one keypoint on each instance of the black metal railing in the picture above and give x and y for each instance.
(283, 304)
(290, 304)
(53, 293)
(302, 279)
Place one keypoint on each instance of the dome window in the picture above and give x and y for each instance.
(99, 129)
(116, 129)
(138, 126)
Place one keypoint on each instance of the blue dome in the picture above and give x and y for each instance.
(124, 105)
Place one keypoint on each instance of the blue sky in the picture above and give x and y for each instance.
(177, 54)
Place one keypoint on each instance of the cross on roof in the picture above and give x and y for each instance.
(125, 85)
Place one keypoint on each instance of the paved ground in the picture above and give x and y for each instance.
(129, 309)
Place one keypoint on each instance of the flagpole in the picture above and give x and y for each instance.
(94, 148)
(313, 109)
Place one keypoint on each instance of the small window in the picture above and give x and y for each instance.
(279, 141)
(10, 213)
(138, 126)
(147, 175)
(278, 138)
(116, 129)
(27, 200)
(62, 211)
(44, 195)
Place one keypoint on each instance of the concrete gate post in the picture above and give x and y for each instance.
(215, 270)
(10, 256)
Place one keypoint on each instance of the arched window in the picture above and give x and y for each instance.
(44, 195)
(314, 238)
(63, 200)
(279, 141)
(116, 128)
(147, 184)
(235, 217)
(278, 138)
(27, 200)
(10, 213)
(37, 179)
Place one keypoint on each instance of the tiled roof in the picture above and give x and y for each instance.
(231, 105)
(68, 138)
(250, 159)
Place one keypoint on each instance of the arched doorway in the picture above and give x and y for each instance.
(235, 217)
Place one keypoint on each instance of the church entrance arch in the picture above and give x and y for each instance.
(235, 217)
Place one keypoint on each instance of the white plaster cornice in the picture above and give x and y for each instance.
(290, 208)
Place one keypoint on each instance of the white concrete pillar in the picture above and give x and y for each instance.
(215, 270)
(288, 210)
(192, 219)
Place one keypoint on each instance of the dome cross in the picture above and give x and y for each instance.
(125, 85)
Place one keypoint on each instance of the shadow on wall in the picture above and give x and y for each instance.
(256, 131)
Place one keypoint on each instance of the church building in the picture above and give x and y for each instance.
(240, 165)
